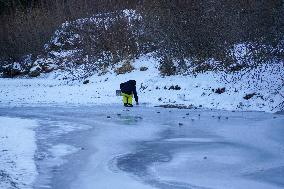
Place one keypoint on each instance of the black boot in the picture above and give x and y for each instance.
(129, 105)
(125, 104)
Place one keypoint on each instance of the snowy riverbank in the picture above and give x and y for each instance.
(263, 88)
(17, 150)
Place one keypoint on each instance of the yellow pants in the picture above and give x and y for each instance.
(127, 99)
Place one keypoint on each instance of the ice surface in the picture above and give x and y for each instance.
(117, 147)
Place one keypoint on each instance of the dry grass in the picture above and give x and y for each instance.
(125, 68)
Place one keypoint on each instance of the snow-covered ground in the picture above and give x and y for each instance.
(266, 82)
(56, 132)
(17, 150)
(111, 146)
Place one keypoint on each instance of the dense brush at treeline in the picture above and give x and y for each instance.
(195, 29)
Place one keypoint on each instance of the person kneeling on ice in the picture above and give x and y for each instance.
(128, 89)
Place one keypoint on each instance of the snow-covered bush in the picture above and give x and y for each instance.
(167, 67)
(97, 42)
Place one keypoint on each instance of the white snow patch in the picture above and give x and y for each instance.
(198, 140)
(43, 61)
(35, 68)
(63, 53)
(61, 150)
(17, 66)
(17, 150)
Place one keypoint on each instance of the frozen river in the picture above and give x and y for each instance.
(111, 147)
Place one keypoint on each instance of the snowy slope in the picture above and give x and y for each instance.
(266, 82)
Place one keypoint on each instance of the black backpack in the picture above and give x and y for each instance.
(121, 85)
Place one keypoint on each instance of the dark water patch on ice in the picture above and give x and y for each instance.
(280, 112)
